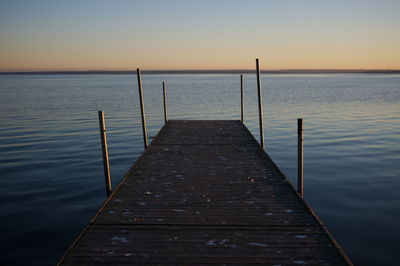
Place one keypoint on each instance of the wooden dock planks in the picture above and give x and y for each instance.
(204, 192)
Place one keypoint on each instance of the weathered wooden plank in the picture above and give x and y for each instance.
(204, 192)
(206, 245)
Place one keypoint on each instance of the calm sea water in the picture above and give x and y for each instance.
(51, 165)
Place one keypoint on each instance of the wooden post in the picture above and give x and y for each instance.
(142, 108)
(260, 113)
(106, 162)
(165, 102)
(300, 155)
(241, 98)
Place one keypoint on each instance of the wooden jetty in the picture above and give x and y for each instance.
(205, 192)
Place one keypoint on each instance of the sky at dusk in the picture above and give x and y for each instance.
(207, 34)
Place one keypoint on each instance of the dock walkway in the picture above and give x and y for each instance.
(204, 192)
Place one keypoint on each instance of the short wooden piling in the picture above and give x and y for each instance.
(106, 162)
(300, 155)
(145, 141)
(260, 112)
(241, 98)
(165, 102)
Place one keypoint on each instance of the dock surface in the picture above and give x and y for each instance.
(204, 192)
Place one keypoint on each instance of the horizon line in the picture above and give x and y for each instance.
(207, 71)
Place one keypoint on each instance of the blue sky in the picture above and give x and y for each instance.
(198, 34)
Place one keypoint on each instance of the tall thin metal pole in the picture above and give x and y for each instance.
(106, 162)
(241, 98)
(300, 157)
(142, 108)
(260, 113)
(165, 102)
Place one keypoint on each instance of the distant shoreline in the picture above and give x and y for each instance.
(288, 71)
